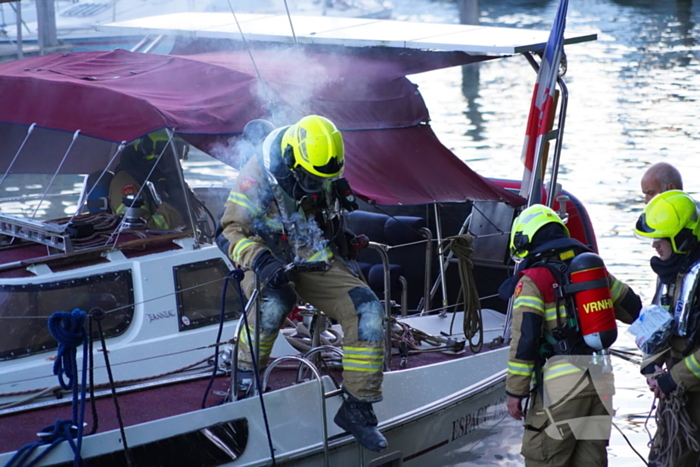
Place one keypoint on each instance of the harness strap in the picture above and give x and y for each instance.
(569, 289)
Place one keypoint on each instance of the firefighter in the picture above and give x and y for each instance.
(284, 221)
(136, 166)
(550, 362)
(671, 221)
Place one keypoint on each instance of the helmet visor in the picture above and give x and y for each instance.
(643, 230)
(309, 182)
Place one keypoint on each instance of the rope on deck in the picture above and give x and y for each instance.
(69, 331)
(473, 326)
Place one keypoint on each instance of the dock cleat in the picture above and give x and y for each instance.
(357, 418)
(244, 383)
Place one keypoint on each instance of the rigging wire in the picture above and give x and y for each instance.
(269, 94)
(118, 230)
(291, 26)
(245, 42)
(119, 150)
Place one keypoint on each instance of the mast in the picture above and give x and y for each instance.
(46, 23)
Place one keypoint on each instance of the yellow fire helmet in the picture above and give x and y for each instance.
(154, 144)
(315, 145)
(526, 225)
(666, 215)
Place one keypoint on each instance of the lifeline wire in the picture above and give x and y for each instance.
(130, 305)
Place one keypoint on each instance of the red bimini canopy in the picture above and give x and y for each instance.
(393, 156)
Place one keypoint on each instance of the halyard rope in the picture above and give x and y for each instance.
(461, 246)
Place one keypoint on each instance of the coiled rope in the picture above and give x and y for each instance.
(69, 331)
(674, 430)
(473, 326)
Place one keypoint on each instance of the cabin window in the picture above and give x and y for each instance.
(25, 309)
(199, 287)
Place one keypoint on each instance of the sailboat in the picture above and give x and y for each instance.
(158, 391)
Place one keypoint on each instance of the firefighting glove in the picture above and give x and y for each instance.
(666, 383)
(355, 244)
(270, 270)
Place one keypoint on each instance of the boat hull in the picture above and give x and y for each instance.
(442, 414)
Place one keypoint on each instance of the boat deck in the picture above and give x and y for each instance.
(144, 404)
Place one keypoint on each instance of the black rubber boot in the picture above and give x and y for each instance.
(357, 418)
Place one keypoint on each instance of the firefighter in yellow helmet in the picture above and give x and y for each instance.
(547, 381)
(671, 221)
(136, 166)
(286, 209)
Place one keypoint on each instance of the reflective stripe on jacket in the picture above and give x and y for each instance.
(534, 313)
(253, 211)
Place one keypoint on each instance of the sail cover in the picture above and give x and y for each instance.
(393, 156)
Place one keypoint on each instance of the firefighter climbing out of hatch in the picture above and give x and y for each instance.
(136, 166)
(286, 209)
(564, 310)
(672, 221)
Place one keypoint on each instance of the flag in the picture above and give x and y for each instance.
(542, 107)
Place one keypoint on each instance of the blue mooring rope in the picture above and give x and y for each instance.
(69, 331)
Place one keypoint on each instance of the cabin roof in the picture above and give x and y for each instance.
(354, 32)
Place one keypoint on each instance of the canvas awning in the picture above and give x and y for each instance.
(393, 155)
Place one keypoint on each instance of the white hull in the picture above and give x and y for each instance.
(152, 345)
(460, 420)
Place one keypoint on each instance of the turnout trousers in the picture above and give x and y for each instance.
(540, 449)
(343, 297)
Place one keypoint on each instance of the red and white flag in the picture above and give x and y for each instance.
(542, 106)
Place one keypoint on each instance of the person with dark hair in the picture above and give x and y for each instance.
(660, 177)
(284, 221)
(166, 208)
(558, 368)
(672, 221)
